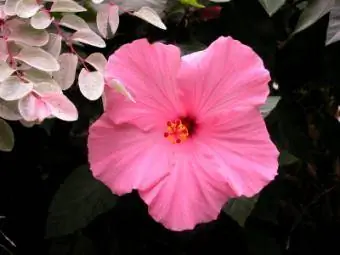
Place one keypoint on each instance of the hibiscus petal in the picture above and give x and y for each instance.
(226, 75)
(193, 193)
(243, 149)
(124, 157)
(148, 71)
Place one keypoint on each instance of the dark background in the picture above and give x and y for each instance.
(298, 213)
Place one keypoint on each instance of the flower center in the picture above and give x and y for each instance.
(180, 129)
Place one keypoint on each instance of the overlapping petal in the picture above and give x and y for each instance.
(124, 157)
(149, 72)
(230, 158)
(226, 75)
(194, 192)
(241, 143)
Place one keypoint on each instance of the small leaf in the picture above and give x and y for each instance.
(91, 84)
(54, 45)
(79, 200)
(267, 207)
(38, 58)
(26, 8)
(114, 18)
(61, 107)
(66, 75)
(286, 158)
(10, 7)
(26, 34)
(134, 5)
(269, 105)
(47, 125)
(74, 22)
(3, 50)
(88, 37)
(66, 6)
(193, 3)
(102, 19)
(6, 136)
(240, 208)
(151, 16)
(5, 71)
(36, 76)
(28, 107)
(34, 109)
(13, 88)
(9, 110)
(2, 13)
(219, 1)
(41, 20)
(333, 30)
(315, 10)
(46, 88)
(98, 61)
(272, 6)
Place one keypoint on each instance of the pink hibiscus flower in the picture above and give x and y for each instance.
(195, 136)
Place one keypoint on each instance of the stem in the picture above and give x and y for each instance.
(67, 40)
(6, 249)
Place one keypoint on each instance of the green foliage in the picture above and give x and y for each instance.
(315, 10)
(78, 201)
(272, 6)
(6, 136)
(193, 3)
(240, 208)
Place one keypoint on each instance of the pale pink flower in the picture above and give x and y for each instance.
(195, 136)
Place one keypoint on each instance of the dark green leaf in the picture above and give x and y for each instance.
(272, 6)
(268, 204)
(6, 136)
(333, 30)
(74, 244)
(83, 246)
(315, 10)
(78, 201)
(240, 208)
(287, 129)
(286, 158)
(260, 242)
(193, 3)
(47, 125)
